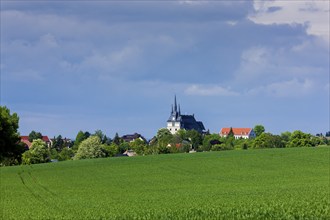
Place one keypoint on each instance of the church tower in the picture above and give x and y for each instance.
(174, 121)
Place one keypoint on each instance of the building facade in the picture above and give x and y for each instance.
(177, 121)
(238, 132)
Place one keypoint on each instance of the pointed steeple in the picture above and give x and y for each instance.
(175, 105)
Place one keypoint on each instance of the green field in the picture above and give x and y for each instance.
(254, 184)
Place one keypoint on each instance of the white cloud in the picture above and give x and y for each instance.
(49, 40)
(290, 88)
(314, 14)
(209, 90)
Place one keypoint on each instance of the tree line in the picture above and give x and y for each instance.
(97, 145)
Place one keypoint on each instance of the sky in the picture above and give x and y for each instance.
(116, 66)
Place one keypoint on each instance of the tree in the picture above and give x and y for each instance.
(38, 153)
(195, 138)
(104, 139)
(209, 141)
(231, 133)
(268, 140)
(81, 136)
(110, 150)
(34, 136)
(164, 138)
(10, 148)
(139, 146)
(259, 129)
(90, 148)
(65, 154)
(300, 139)
(117, 140)
(58, 143)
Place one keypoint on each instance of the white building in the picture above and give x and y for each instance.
(238, 132)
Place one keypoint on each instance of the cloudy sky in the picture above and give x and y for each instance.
(116, 65)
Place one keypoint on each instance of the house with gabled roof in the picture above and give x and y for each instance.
(25, 140)
(238, 132)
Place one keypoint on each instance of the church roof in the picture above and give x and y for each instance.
(189, 123)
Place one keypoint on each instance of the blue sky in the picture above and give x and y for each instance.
(116, 65)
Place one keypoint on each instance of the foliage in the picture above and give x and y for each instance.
(195, 138)
(10, 149)
(81, 136)
(110, 150)
(259, 129)
(90, 148)
(104, 139)
(123, 146)
(268, 140)
(300, 139)
(38, 153)
(117, 140)
(252, 184)
(65, 154)
(139, 146)
(209, 141)
(34, 135)
(164, 138)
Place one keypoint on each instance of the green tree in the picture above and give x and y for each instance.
(117, 140)
(10, 148)
(90, 148)
(65, 154)
(164, 138)
(209, 141)
(34, 136)
(58, 143)
(231, 133)
(259, 129)
(139, 146)
(195, 139)
(104, 139)
(268, 140)
(38, 153)
(81, 136)
(300, 139)
(110, 150)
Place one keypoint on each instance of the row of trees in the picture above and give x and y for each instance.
(87, 145)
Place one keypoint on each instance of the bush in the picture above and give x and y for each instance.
(38, 153)
(90, 148)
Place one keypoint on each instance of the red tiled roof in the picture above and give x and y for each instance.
(25, 139)
(236, 131)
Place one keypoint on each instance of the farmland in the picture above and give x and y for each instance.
(253, 184)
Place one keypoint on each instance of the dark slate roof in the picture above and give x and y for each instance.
(189, 123)
(132, 137)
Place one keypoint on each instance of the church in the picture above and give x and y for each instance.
(178, 121)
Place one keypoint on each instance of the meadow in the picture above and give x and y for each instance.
(240, 184)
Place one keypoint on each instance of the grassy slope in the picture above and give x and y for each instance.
(272, 183)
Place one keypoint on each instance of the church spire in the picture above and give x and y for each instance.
(175, 105)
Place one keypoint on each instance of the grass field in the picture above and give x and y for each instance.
(254, 184)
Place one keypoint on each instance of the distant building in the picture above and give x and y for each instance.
(25, 140)
(133, 137)
(238, 132)
(178, 121)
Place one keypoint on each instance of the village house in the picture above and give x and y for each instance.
(25, 140)
(132, 137)
(245, 133)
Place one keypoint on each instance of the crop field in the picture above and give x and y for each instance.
(253, 184)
